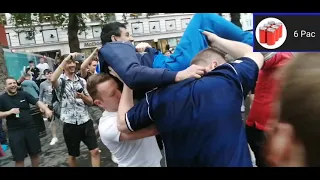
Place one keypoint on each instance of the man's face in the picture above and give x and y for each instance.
(167, 53)
(31, 65)
(124, 36)
(109, 95)
(92, 66)
(48, 75)
(71, 66)
(41, 60)
(11, 86)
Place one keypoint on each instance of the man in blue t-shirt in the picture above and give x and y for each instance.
(200, 119)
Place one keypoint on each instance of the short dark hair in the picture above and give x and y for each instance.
(111, 29)
(31, 62)
(47, 71)
(10, 78)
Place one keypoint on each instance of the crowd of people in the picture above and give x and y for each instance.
(188, 102)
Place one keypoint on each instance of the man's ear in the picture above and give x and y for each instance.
(113, 38)
(214, 64)
(280, 144)
(98, 103)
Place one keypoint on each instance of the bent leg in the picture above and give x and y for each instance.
(193, 41)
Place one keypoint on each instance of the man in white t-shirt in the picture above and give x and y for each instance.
(136, 149)
(42, 66)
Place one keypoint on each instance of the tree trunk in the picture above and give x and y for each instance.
(73, 29)
(3, 70)
(235, 19)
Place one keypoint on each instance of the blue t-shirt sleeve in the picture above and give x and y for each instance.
(138, 117)
(247, 71)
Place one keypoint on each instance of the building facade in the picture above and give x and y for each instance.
(161, 30)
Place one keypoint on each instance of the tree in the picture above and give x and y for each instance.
(3, 69)
(235, 19)
(75, 22)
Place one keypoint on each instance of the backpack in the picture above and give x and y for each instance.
(56, 104)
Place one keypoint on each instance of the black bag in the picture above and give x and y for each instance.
(56, 104)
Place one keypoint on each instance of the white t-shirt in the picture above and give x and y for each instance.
(43, 67)
(135, 153)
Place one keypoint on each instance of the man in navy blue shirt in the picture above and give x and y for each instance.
(200, 119)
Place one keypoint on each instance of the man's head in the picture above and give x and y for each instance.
(167, 53)
(209, 58)
(71, 64)
(114, 31)
(47, 73)
(27, 76)
(93, 65)
(294, 139)
(105, 91)
(31, 64)
(41, 60)
(11, 85)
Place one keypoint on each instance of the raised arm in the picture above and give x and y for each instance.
(234, 48)
(85, 64)
(122, 57)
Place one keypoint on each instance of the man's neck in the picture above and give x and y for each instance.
(12, 94)
(69, 75)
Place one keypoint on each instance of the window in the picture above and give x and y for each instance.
(184, 23)
(96, 30)
(87, 51)
(94, 17)
(171, 25)
(137, 28)
(50, 35)
(26, 38)
(3, 19)
(46, 17)
(154, 26)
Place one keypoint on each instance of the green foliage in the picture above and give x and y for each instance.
(28, 21)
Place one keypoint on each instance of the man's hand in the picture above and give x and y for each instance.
(211, 37)
(79, 95)
(14, 111)
(48, 113)
(141, 47)
(194, 71)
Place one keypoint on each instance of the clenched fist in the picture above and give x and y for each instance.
(194, 71)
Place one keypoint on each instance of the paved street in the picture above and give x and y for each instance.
(55, 156)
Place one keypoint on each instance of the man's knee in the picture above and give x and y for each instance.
(95, 152)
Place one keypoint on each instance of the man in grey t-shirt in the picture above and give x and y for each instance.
(45, 96)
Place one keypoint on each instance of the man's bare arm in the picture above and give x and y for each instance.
(234, 48)
(5, 114)
(85, 64)
(126, 103)
(146, 132)
(56, 74)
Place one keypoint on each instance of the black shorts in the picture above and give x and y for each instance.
(23, 142)
(74, 134)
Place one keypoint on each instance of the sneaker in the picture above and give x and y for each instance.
(114, 159)
(54, 141)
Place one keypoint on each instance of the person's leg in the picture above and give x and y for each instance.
(53, 128)
(193, 41)
(3, 139)
(72, 138)
(18, 146)
(256, 139)
(33, 145)
(90, 140)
